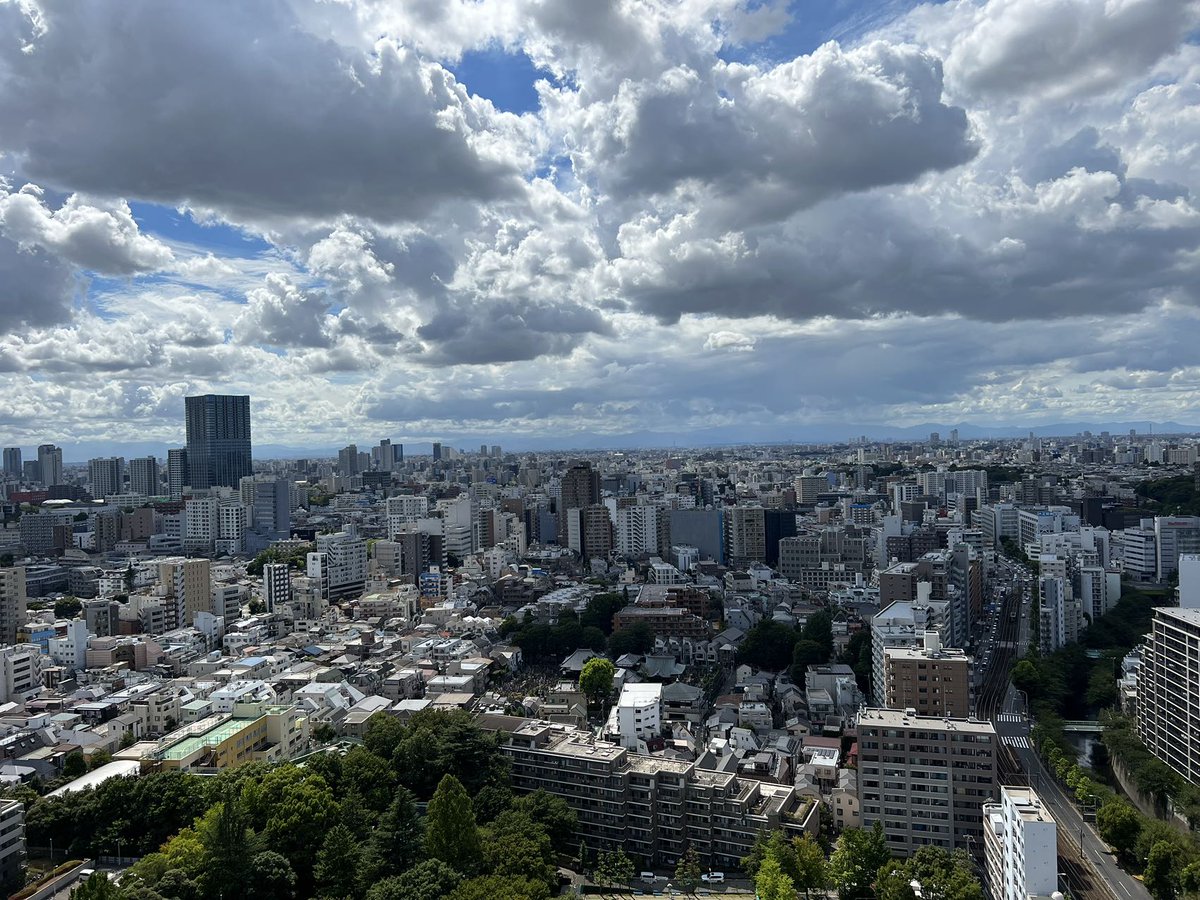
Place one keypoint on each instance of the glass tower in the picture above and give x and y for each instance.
(218, 439)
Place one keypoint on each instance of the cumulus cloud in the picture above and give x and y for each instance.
(35, 287)
(238, 108)
(95, 236)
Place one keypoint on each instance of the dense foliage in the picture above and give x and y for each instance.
(338, 826)
(1173, 496)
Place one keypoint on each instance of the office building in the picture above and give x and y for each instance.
(143, 476)
(931, 679)
(178, 476)
(106, 476)
(1020, 841)
(651, 807)
(1174, 536)
(50, 465)
(925, 778)
(201, 524)
(348, 460)
(272, 507)
(579, 488)
(1168, 690)
(13, 601)
(437, 450)
(218, 440)
(12, 462)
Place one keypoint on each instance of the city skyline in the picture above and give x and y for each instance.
(597, 219)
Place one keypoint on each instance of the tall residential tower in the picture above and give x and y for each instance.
(218, 440)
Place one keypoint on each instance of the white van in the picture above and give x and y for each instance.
(713, 878)
(647, 877)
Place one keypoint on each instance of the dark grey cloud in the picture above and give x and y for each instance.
(762, 144)
(36, 289)
(505, 330)
(234, 106)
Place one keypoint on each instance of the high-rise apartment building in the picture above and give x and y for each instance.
(1020, 841)
(745, 535)
(178, 476)
(12, 462)
(339, 564)
(143, 476)
(50, 465)
(277, 585)
(218, 440)
(579, 488)
(348, 460)
(1168, 690)
(12, 844)
(925, 778)
(273, 507)
(188, 582)
(13, 601)
(437, 450)
(932, 679)
(106, 476)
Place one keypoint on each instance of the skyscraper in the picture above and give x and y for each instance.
(12, 461)
(106, 476)
(50, 466)
(218, 439)
(437, 450)
(177, 472)
(143, 476)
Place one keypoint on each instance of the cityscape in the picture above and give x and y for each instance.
(515, 449)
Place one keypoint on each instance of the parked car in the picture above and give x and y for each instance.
(713, 878)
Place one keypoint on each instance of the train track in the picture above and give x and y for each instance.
(990, 700)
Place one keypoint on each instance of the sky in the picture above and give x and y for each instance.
(530, 220)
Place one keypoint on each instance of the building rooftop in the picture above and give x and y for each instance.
(899, 718)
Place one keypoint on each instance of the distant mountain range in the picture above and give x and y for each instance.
(80, 452)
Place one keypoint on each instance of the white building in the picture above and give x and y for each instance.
(200, 524)
(1061, 613)
(639, 713)
(70, 650)
(339, 564)
(12, 841)
(637, 530)
(1175, 536)
(13, 603)
(231, 529)
(20, 672)
(1020, 845)
(1140, 552)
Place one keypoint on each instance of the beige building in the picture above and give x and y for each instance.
(933, 680)
(925, 778)
(189, 583)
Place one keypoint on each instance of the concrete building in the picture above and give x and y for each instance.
(1168, 690)
(639, 713)
(925, 778)
(932, 679)
(340, 564)
(12, 462)
(201, 524)
(178, 476)
(50, 465)
(143, 476)
(12, 844)
(13, 602)
(1174, 536)
(651, 807)
(188, 582)
(20, 672)
(745, 534)
(106, 476)
(1020, 841)
(277, 585)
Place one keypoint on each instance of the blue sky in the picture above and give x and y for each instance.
(919, 222)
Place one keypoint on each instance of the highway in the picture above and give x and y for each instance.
(1018, 762)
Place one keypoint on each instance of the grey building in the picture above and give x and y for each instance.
(143, 476)
(218, 439)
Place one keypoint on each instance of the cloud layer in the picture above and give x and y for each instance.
(978, 210)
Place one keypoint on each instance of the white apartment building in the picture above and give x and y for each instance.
(12, 841)
(639, 713)
(20, 671)
(105, 476)
(405, 510)
(231, 529)
(1100, 589)
(1168, 690)
(70, 650)
(227, 599)
(200, 524)
(637, 530)
(1140, 545)
(1061, 613)
(1020, 841)
(339, 564)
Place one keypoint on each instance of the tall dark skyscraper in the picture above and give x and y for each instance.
(12, 461)
(218, 439)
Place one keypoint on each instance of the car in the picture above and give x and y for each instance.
(647, 877)
(713, 878)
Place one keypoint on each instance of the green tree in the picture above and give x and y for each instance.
(74, 765)
(819, 630)
(431, 879)
(497, 887)
(596, 679)
(337, 868)
(228, 844)
(384, 732)
(600, 611)
(396, 842)
(450, 831)
(518, 847)
(687, 871)
(768, 645)
(1162, 873)
(859, 856)
(614, 868)
(811, 866)
(324, 733)
(370, 776)
(97, 887)
(806, 653)
(1102, 688)
(771, 883)
(636, 638)
(271, 877)
(1026, 677)
(99, 758)
(553, 814)
(1119, 825)
(67, 607)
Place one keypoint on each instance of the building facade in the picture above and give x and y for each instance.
(218, 440)
(1020, 841)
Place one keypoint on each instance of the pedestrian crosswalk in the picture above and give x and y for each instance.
(1019, 741)
(1010, 717)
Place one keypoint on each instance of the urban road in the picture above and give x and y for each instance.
(1005, 639)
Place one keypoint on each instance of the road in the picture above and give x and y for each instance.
(1011, 720)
